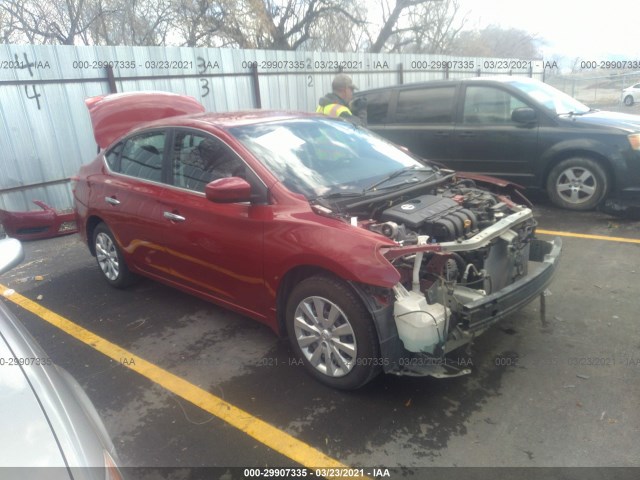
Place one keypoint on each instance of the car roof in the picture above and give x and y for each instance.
(452, 81)
(113, 116)
(234, 119)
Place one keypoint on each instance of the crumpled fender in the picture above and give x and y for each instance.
(44, 223)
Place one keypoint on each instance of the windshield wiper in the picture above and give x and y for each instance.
(576, 114)
(330, 196)
(395, 174)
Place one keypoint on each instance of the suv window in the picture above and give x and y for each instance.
(142, 156)
(199, 159)
(426, 105)
(489, 105)
(377, 106)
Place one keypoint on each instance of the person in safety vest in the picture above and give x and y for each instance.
(338, 102)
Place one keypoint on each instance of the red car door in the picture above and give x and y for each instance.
(213, 249)
(128, 199)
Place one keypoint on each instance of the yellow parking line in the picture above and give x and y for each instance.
(266, 434)
(590, 237)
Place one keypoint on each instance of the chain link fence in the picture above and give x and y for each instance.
(600, 91)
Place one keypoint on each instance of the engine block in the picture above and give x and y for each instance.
(443, 219)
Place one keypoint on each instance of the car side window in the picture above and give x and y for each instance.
(112, 157)
(426, 105)
(489, 106)
(198, 159)
(142, 156)
(377, 106)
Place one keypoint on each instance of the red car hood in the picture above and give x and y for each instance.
(114, 115)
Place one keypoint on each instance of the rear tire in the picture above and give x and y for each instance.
(110, 260)
(628, 101)
(577, 183)
(333, 333)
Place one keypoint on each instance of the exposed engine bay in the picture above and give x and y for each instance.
(447, 216)
(456, 215)
(461, 250)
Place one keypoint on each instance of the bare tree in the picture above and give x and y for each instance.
(100, 22)
(198, 22)
(334, 34)
(434, 26)
(7, 27)
(494, 41)
(55, 21)
(283, 24)
(338, 25)
(146, 22)
(392, 36)
(107, 25)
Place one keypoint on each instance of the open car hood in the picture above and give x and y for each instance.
(114, 115)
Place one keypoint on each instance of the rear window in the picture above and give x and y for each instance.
(142, 156)
(426, 105)
(113, 156)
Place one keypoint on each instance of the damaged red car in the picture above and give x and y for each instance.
(365, 256)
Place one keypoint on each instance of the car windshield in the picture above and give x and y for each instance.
(322, 157)
(554, 99)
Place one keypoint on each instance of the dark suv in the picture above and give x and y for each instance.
(519, 129)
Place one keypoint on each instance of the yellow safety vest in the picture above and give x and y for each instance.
(333, 109)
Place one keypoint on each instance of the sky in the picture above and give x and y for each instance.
(589, 30)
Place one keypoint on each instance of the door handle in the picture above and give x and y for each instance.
(174, 217)
(442, 134)
(112, 200)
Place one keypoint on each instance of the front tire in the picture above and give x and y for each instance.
(109, 257)
(577, 184)
(333, 333)
(628, 101)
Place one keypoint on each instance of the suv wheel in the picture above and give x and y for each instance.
(333, 333)
(110, 259)
(628, 100)
(577, 184)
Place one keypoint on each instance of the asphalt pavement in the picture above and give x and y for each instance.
(563, 394)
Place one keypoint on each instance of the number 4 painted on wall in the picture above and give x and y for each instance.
(36, 96)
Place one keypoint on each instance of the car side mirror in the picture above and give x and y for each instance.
(228, 190)
(524, 115)
(11, 254)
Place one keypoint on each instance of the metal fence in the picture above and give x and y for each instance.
(45, 130)
(602, 90)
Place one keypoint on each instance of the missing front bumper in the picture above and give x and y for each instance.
(544, 259)
(473, 318)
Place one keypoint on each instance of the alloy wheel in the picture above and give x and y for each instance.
(576, 185)
(325, 336)
(107, 256)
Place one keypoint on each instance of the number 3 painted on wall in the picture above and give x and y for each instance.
(205, 87)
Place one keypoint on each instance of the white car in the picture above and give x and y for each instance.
(631, 94)
(47, 419)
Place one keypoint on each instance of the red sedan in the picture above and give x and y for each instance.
(368, 258)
